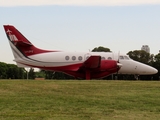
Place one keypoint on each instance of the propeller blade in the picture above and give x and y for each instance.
(119, 64)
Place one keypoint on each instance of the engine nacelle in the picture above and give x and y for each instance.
(108, 65)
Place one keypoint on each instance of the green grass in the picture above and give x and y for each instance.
(79, 100)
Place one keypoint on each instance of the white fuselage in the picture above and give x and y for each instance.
(57, 59)
(88, 65)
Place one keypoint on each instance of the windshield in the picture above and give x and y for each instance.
(124, 57)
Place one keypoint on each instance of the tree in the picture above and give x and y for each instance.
(31, 74)
(14, 72)
(156, 64)
(101, 49)
(3, 70)
(141, 56)
(21, 73)
(56, 75)
(40, 74)
(61, 75)
(11, 71)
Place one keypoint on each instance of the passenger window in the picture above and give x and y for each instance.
(109, 58)
(80, 58)
(73, 58)
(102, 58)
(67, 57)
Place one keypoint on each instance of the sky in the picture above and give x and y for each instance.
(82, 25)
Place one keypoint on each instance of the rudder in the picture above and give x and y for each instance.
(23, 45)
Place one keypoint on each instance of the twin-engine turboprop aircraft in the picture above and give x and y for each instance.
(84, 65)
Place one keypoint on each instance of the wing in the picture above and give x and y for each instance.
(92, 62)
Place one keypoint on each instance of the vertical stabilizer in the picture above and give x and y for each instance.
(20, 44)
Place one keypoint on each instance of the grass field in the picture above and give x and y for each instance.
(79, 100)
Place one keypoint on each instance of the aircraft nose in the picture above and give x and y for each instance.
(146, 69)
(151, 70)
(154, 71)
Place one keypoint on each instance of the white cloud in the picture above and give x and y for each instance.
(77, 2)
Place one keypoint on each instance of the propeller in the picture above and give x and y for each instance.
(118, 64)
(118, 57)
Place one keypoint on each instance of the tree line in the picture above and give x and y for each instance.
(11, 71)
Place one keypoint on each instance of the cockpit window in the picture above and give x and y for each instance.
(121, 57)
(126, 57)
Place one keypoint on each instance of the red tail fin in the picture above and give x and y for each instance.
(21, 43)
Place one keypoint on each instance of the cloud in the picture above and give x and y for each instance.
(77, 2)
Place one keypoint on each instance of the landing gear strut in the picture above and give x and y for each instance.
(88, 75)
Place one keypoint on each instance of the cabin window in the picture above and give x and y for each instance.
(67, 57)
(73, 58)
(80, 58)
(109, 58)
(102, 58)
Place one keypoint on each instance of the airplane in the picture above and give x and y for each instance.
(81, 65)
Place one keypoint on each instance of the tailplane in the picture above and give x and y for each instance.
(21, 47)
(17, 40)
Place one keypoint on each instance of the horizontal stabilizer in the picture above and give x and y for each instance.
(22, 43)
